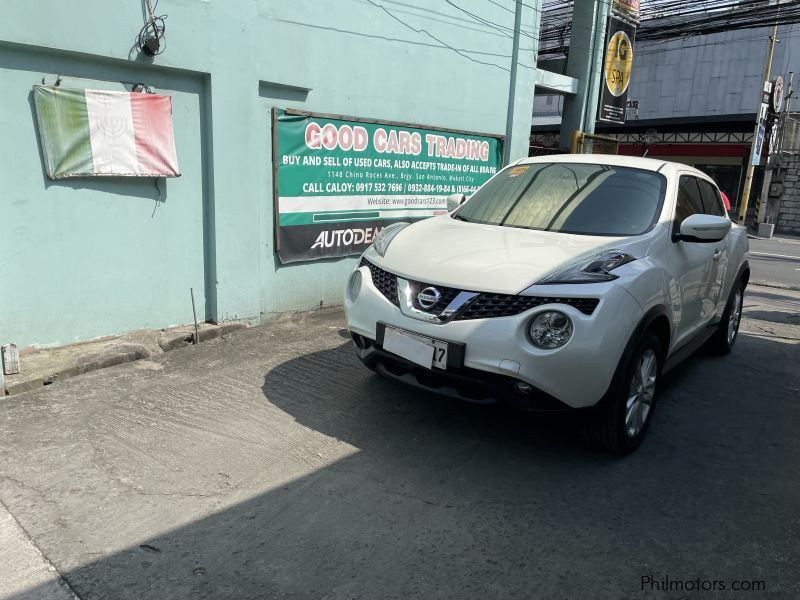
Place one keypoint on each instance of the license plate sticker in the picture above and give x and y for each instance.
(424, 351)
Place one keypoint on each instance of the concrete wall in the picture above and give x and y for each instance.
(93, 257)
(784, 208)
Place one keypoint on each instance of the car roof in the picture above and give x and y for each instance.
(649, 164)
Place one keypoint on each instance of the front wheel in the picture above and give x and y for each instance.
(728, 329)
(631, 401)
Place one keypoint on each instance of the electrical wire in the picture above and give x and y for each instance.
(154, 29)
(430, 35)
(674, 19)
(501, 28)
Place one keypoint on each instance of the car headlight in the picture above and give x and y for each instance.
(597, 269)
(550, 329)
(385, 237)
(354, 285)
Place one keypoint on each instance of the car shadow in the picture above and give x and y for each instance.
(441, 499)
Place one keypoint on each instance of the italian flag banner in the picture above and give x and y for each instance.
(101, 132)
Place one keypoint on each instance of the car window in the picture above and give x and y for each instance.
(580, 198)
(712, 203)
(689, 203)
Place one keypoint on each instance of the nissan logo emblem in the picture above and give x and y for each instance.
(429, 297)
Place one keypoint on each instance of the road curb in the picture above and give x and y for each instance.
(776, 285)
(44, 367)
(24, 570)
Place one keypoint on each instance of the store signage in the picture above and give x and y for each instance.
(755, 160)
(617, 66)
(777, 94)
(628, 9)
(631, 110)
(339, 182)
(774, 137)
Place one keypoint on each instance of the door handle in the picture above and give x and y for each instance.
(717, 254)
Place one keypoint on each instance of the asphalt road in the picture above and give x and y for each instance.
(272, 465)
(776, 261)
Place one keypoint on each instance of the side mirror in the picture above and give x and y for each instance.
(454, 201)
(704, 228)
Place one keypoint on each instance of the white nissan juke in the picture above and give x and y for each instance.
(563, 283)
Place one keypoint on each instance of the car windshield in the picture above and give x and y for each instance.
(587, 199)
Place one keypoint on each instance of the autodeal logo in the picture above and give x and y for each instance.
(338, 238)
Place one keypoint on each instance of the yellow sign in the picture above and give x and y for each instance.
(618, 64)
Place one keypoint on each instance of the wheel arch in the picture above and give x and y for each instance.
(655, 320)
(744, 274)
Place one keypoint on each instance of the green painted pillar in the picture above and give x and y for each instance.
(585, 63)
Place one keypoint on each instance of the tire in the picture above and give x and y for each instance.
(728, 329)
(630, 402)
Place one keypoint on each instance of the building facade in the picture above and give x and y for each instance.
(89, 257)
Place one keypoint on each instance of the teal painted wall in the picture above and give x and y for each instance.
(94, 257)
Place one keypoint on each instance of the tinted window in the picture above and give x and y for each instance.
(712, 203)
(586, 199)
(689, 201)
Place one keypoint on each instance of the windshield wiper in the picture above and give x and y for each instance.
(460, 218)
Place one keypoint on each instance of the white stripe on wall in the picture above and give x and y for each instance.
(331, 217)
(111, 132)
(295, 204)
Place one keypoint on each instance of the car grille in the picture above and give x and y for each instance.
(383, 280)
(486, 305)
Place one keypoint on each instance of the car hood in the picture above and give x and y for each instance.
(491, 258)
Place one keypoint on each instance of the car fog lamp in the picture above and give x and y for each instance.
(550, 329)
(355, 285)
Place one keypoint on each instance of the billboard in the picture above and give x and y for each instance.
(628, 9)
(617, 67)
(339, 181)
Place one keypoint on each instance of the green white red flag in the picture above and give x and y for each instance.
(101, 132)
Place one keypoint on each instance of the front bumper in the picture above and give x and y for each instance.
(497, 352)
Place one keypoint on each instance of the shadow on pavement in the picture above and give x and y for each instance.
(441, 499)
(776, 316)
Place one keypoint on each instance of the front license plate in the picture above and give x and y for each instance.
(424, 351)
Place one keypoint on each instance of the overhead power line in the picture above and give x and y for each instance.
(674, 19)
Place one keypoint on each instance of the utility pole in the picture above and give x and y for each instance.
(748, 179)
(512, 84)
(774, 159)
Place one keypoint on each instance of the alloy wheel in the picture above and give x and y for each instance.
(641, 393)
(735, 317)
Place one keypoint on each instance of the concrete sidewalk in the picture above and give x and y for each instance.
(45, 366)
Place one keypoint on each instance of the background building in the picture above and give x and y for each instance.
(692, 100)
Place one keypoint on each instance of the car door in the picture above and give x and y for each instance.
(690, 263)
(713, 205)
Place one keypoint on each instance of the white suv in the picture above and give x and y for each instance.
(567, 282)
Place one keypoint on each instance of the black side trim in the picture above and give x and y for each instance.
(691, 346)
(745, 267)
